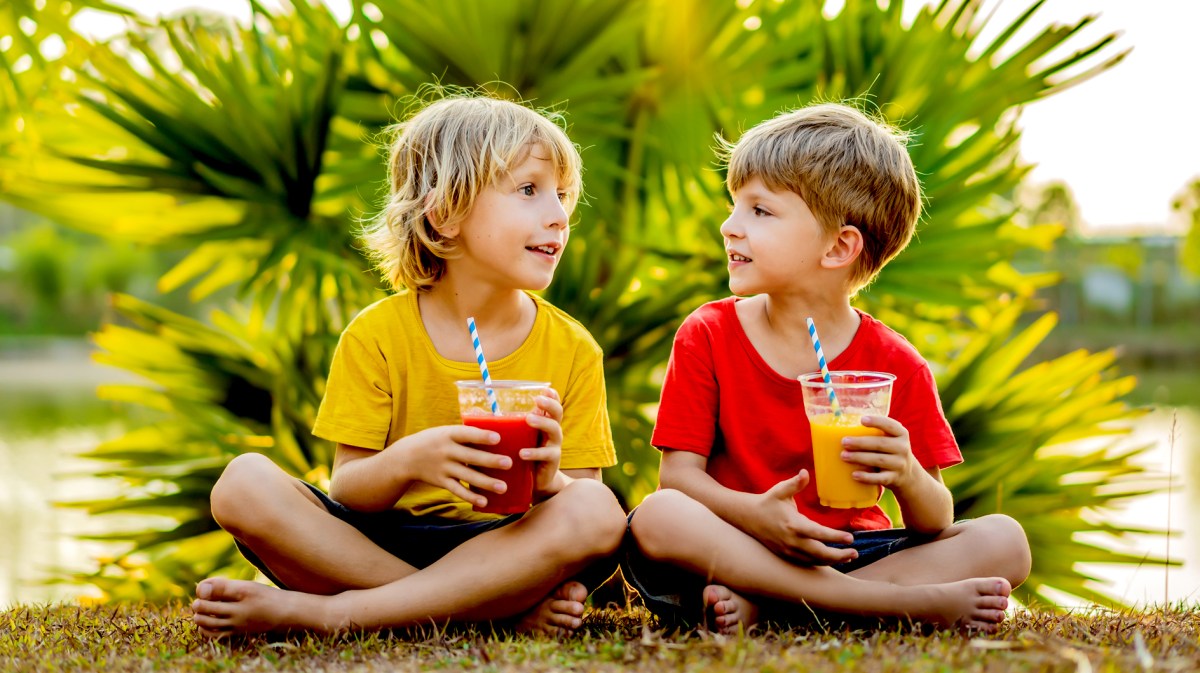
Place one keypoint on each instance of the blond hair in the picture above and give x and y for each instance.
(439, 161)
(849, 169)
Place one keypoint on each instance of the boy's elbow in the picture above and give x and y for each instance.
(932, 523)
(669, 479)
(340, 491)
(930, 529)
(679, 469)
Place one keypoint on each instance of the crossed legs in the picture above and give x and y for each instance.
(961, 579)
(343, 580)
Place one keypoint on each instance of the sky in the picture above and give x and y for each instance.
(1126, 142)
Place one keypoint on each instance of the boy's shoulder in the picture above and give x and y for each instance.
(877, 341)
(382, 316)
(713, 315)
(564, 327)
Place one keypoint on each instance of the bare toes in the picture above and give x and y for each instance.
(565, 621)
(217, 589)
(715, 593)
(979, 627)
(210, 622)
(994, 602)
(217, 634)
(570, 608)
(213, 608)
(573, 591)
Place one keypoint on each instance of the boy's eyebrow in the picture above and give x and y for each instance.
(543, 168)
(754, 193)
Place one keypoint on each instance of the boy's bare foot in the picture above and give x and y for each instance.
(730, 609)
(561, 611)
(969, 605)
(224, 607)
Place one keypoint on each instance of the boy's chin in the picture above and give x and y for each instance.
(741, 289)
(539, 284)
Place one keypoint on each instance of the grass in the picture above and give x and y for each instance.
(130, 637)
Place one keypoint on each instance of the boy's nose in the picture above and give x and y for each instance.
(730, 229)
(557, 214)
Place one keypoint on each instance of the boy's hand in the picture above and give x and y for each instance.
(792, 535)
(548, 419)
(890, 455)
(441, 457)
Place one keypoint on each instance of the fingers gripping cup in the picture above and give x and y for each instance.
(832, 418)
(514, 401)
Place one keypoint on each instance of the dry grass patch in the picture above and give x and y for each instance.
(149, 638)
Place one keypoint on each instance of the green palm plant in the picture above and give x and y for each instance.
(30, 48)
(252, 147)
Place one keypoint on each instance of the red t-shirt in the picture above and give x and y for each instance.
(720, 399)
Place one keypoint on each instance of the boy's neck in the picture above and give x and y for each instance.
(788, 314)
(777, 328)
(500, 308)
(504, 317)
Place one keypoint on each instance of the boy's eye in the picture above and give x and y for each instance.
(760, 212)
(563, 196)
(527, 190)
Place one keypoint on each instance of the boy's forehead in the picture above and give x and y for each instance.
(536, 161)
(756, 186)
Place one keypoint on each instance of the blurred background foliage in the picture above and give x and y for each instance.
(248, 153)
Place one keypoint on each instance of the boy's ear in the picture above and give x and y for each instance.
(844, 249)
(446, 230)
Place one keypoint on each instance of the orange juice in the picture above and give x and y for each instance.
(835, 486)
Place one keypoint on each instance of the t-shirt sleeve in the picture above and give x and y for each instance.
(587, 434)
(357, 407)
(916, 405)
(688, 407)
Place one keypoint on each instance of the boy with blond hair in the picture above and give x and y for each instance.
(481, 195)
(823, 198)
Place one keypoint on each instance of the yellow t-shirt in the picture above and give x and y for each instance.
(387, 381)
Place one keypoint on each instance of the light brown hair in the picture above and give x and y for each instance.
(849, 168)
(439, 161)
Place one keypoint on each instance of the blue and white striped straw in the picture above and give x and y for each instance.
(487, 378)
(816, 341)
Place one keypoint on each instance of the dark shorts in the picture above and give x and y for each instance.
(419, 541)
(675, 595)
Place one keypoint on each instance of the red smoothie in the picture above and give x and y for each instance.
(515, 434)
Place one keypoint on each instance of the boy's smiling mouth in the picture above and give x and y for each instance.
(547, 249)
(737, 257)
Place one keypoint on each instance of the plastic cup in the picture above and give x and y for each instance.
(858, 394)
(516, 401)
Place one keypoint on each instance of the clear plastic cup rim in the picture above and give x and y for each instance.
(872, 379)
(507, 384)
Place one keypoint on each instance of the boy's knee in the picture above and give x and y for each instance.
(1008, 543)
(245, 479)
(593, 514)
(655, 524)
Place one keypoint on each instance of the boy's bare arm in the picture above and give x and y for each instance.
(372, 481)
(769, 517)
(925, 502)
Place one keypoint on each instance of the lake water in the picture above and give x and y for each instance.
(48, 413)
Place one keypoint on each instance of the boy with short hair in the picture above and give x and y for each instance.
(477, 217)
(823, 198)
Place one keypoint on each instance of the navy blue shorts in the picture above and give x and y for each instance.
(417, 540)
(675, 595)
(420, 541)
